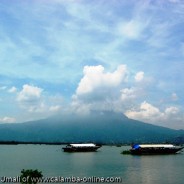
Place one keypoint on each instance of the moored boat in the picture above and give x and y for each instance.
(152, 149)
(81, 147)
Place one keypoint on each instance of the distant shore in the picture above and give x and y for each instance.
(65, 143)
(54, 143)
(30, 142)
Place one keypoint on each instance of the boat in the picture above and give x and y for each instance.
(152, 149)
(81, 147)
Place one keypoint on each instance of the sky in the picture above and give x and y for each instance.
(79, 56)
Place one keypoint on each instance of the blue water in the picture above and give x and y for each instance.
(106, 162)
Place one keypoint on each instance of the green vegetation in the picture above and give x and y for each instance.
(126, 152)
(30, 176)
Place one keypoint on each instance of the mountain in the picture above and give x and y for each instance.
(105, 127)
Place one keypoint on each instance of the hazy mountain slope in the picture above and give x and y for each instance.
(106, 128)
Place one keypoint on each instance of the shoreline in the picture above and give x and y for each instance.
(56, 143)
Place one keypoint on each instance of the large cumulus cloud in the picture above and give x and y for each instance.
(122, 91)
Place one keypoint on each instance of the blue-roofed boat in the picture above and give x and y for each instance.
(152, 149)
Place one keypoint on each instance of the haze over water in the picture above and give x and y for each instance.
(107, 162)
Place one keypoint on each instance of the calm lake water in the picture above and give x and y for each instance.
(106, 162)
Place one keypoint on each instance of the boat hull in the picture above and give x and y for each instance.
(154, 151)
(82, 149)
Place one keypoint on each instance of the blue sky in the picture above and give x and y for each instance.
(82, 55)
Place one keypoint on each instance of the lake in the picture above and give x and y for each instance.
(106, 162)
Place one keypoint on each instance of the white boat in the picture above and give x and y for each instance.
(81, 147)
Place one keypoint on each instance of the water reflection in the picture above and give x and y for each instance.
(106, 162)
(160, 169)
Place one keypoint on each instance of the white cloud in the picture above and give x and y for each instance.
(80, 107)
(7, 120)
(29, 98)
(139, 76)
(12, 89)
(95, 77)
(148, 113)
(36, 104)
(55, 108)
(38, 107)
(29, 93)
(171, 111)
(132, 29)
(128, 94)
(99, 90)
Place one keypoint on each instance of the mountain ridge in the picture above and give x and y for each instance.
(104, 127)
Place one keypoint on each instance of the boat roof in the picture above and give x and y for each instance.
(153, 146)
(83, 145)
